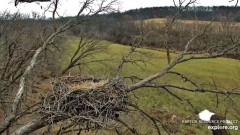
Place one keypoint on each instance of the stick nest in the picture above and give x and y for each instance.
(88, 101)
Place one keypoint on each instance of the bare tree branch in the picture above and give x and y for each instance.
(201, 90)
(21, 90)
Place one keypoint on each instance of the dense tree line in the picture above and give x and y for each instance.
(126, 27)
(198, 12)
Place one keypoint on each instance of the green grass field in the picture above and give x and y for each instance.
(224, 72)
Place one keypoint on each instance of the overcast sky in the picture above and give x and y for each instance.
(69, 7)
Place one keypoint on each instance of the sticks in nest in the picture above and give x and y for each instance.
(86, 101)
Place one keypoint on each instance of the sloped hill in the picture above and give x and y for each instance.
(220, 74)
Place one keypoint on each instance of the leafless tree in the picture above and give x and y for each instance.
(87, 48)
(184, 56)
(89, 10)
(180, 5)
(80, 107)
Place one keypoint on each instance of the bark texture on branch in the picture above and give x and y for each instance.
(32, 0)
(29, 1)
(30, 127)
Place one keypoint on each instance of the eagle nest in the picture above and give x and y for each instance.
(86, 101)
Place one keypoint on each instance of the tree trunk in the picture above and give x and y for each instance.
(168, 56)
(30, 127)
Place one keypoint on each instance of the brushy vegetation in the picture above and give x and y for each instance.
(61, 73)
(223, 72)
(153, 33)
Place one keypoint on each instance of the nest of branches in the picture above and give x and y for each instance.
(86, 101)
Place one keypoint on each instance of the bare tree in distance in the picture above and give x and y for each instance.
(86, 49)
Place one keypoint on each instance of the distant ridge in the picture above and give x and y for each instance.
(199, 12)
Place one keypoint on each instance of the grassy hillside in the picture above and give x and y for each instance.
(189, 22)
(224, 72)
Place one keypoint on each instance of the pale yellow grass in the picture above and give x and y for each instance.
(220, 25)
(88, 85)
(47, 86)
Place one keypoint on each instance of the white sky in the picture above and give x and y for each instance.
(69, 7)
